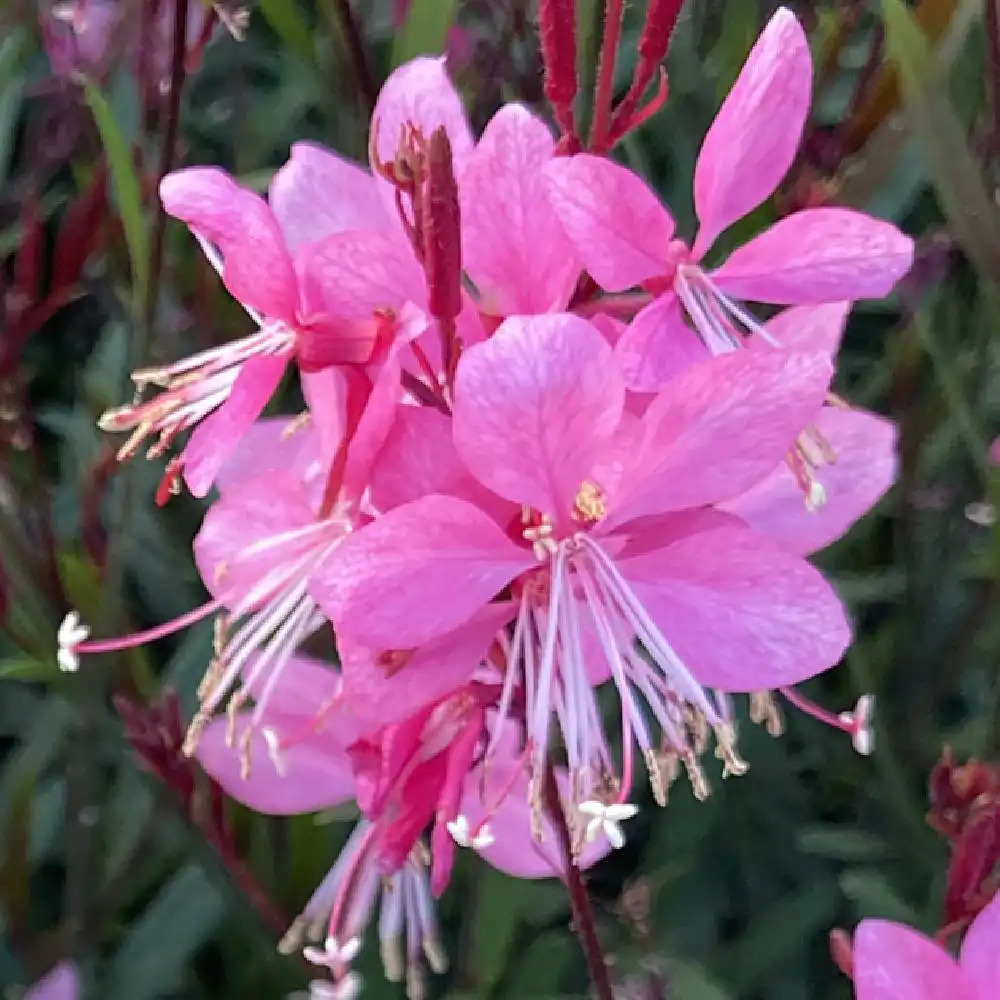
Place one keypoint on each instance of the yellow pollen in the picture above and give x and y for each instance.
(589, 505)
(295, 425)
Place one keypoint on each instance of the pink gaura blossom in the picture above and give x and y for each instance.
(625, 237)
(62, 983)
(602, 528)
(317, 750)
(895, 962)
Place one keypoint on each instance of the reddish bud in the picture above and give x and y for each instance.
(842, 951)
(661, 19)
(557, 31)
(442, 239)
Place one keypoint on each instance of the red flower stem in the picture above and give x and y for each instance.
(604, 89)
(583, 914)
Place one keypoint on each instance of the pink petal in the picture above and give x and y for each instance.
(807, 328)
(740, 612)
(616, 224)
(349, 276)
(257, 268)
(389, 694)
(980, 958)
(316, 194)
(818, 255)
(417, 572)
(261, 508)
(513, 247)
(865, 446)
(756, 133)
(534, 405)
(893, 962)
(419, 457)
(720, 427)
(419, 94)
(271, 445)
(215, 439)
(994, 453)
(315, 770)
(62, 983)
(303, 685)
(658, 345)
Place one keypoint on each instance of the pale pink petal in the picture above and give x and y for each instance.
(994, 454)
(534, 405)
(215, 439)
(419, 457)
(756, 133)
(512, 245)
(616, 224)
(325, 394)
(807, 328)
(865, 468)
(719, 428)
(419, 93)
(386, 692)
(818, 255)
(894, 962)
(350, 276)
(658, 345)
(257, 268)
(417, 572)
(980, 958)
(301, 687)
(315, 771)
(740, 612)
(274, 444)
(270, 505)
(62, 983)
(316, 194)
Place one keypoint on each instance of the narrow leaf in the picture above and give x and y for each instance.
(974, 218)
(125, 182)
(426, 29)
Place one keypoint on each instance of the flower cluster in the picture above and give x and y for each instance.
(550, 451)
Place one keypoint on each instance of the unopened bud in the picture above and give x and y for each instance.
(442, 231)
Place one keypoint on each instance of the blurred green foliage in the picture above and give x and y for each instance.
(730, 899)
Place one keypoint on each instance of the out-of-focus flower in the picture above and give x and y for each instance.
(601, 527)
(625, 237)
(895, 962)
(62, 983)
(79, 34)
(995, 452)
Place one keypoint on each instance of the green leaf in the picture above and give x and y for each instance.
(25, 669)
(13, 51)
(974, 218)
(125, 182)
(426, 29)
(158, 948)
(286, 20)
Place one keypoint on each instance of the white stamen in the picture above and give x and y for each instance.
(483, 839)
(71, 633)
(860, 721)
(816, 497)
(273, 742)
(607, 819)
(459, 830)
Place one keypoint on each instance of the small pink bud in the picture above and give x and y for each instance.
(441, 230)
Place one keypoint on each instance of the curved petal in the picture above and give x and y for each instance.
(215, 439)
(302, 686)
(818, 255)
(756, 133)
(658, 345)
(512, 245)
(271, 445)
(383, 692)
(315, 771)
(418, 93)
(980, 958)
(534, 406)
(719, 428)
(257, 268)
(62, 983)
(263, 508)
(316, 194)
(352, 275)
(740, 612)
(893, 962)
(619, 229)
(807, 328)
(416, 573)
(865, 446)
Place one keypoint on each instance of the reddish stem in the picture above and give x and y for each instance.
(604, 89)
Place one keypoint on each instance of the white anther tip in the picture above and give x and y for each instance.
(483, 839)
(71, 633)
(273, 742)
(606, 819)
(459, 830)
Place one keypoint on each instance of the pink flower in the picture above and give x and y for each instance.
(625, 237)
(62, 983)
(603, 527)
(894, 962)
(994, 455)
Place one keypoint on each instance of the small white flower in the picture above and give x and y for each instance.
(860, 721)
(333, 954)
(463, 835)
(71, 633)
(607, 819)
